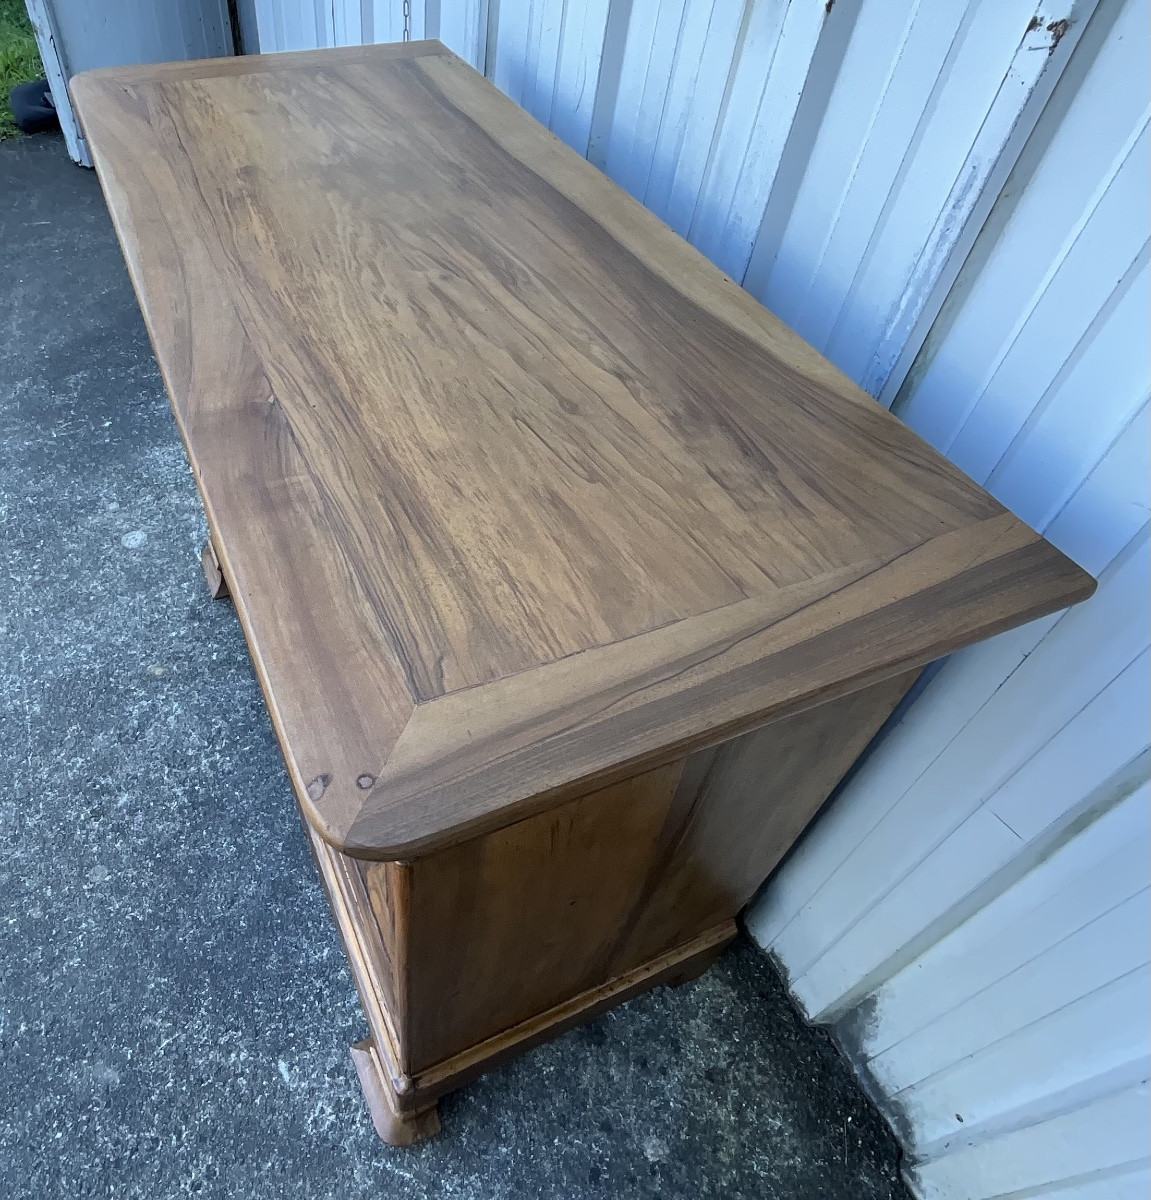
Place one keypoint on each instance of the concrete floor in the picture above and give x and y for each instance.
(175, 1007)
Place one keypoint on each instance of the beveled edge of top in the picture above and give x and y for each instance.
(462, 768)
(251, 64)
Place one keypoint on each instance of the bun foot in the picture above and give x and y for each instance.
(395, 1127)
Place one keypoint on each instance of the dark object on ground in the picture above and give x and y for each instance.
(32, 107)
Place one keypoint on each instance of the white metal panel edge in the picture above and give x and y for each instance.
(1100, 1143)
(39, 12)
(924, 857)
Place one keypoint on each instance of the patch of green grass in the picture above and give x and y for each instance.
(19, 58)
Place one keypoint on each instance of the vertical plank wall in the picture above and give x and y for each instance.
(951, 201)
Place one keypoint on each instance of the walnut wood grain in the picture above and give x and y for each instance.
(512, 923)
(739, 809)
(517, 493)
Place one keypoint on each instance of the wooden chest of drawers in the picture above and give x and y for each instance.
(573, 579)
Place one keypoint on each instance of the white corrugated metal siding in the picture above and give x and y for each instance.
(951, 200)
(973, 912)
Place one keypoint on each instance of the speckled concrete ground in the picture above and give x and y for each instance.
(175, 1007)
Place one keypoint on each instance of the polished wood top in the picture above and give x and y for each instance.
(513, 488)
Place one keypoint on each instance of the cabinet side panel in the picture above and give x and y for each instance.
(367, 901)
(756, 795)
(383, 888)
(488, 933)
(504, 926)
